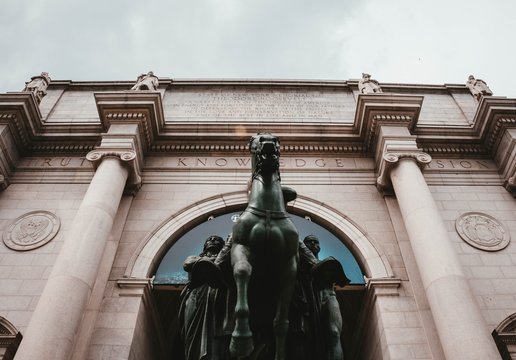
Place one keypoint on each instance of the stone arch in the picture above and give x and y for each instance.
(10, 339)
(147, 256)
(505, 337)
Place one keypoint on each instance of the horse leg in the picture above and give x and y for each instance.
(242, 338)
(287, 283)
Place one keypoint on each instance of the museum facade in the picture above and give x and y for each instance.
(104, 185)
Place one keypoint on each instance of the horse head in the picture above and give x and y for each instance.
(265, 150)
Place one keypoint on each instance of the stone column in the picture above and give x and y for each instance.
(462, 329)
(56, 319)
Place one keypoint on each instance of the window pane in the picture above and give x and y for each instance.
(170, 271)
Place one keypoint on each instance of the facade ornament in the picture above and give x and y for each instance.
(31, 230)
(146, 82)
(128, 158)
(366, 85)
(38, 85)
(390, 159)
(478, 87)
(482, 231)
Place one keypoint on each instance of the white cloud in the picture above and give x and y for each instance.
(396, 41)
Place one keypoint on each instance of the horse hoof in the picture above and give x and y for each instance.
(241, 346)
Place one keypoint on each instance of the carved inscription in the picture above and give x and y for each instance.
(309, 105)
(245, 163)
(55, 162)
(458, 164)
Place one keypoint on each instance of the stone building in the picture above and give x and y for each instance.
(100, 182)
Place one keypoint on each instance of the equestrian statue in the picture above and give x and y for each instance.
(273, 283)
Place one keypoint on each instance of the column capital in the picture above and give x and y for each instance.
(390, 159)
(393, 144)
(124, 142)
(128, 159)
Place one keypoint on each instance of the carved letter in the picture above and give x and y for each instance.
(320, 163)
(300, 163)
(82, 161)
(65, 161)
(200, 161)
(465, 164)
(47, 161)
(439, 163)
(181, 162)
(221, 162)
(482, 164)
(243, 162)
(339, 162)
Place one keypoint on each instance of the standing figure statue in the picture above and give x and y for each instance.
(38, 85)
(201, 302)
(478, 87)
(264, 257)
(146, 82)
(366, 85)
(325, 274)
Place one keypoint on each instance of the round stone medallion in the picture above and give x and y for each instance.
(31, 230)
(482, 231)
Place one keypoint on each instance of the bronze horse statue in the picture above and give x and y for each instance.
(264, 257)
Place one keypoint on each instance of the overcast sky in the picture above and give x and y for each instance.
(397, 41)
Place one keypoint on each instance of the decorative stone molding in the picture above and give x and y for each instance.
(244, 147)
(128, 158)
(31, 230)
(143, 108)
(383, 286)
(390, 159)
(505, 337)
(482, 231)
(378, 109)
(150, 251)
(10, 339)
(465, 149)
(20, 112)
(134, 287)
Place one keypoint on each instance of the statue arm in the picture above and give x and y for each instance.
(306, 257)
(189, 262)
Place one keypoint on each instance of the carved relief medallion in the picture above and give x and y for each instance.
(31, 230)
(482, 231)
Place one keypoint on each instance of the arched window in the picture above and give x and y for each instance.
(170, 270)
(10, 339)
(505, 337)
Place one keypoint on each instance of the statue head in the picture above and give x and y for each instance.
(312, 242)
(213, 244)
(265, 149)
(471, 77)
(366, 76)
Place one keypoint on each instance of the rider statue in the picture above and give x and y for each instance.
(202, 300)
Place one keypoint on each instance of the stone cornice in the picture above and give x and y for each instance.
(143, 108)
(21, 113)
(374, 110)
(134, 287)
(493, 115)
